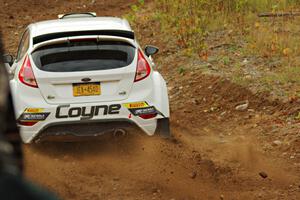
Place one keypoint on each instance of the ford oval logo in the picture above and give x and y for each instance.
(86, 80)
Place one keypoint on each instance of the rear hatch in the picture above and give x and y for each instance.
(85, 70)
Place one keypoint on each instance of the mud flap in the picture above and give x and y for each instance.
(163, 128)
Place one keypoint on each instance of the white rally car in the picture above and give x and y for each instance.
(82, 75)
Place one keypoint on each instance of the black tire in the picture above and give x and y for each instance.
(163, 128)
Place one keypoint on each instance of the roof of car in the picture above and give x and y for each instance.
(79, 24)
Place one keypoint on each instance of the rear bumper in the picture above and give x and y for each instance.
(79, 129)
(78, 126)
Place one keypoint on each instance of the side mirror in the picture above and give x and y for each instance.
(9, 59)
(151, 50)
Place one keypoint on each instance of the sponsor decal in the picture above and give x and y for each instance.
(141, 108)
(141, 104)
(135, 108)
(33, 115)
(143, 111)
(34, 110)
(65, 111)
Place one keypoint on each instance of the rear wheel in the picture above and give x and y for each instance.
(163, 128)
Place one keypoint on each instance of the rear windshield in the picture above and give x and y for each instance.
(84, 55)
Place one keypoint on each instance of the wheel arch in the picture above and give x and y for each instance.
(161, 97)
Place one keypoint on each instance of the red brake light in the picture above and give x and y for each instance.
(148, 116)
(27, 123)
(26, 74)
(143, 68)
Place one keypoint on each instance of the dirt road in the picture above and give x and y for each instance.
(217, 152)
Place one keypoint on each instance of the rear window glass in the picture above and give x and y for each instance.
(84, 55)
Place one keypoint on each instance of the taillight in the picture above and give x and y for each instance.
(148, 116)
(27, 123)
(26, 74)
(143, 68)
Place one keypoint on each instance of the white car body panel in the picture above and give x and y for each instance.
(117, 85)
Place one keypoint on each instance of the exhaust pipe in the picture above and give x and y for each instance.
(120, 132)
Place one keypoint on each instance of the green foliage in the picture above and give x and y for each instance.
(193, 27)
(181, 70)
(188, 20)
(135, 8)
(297, 117)
(141, 2)
(226, 60)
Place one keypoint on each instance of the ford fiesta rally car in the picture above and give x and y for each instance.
(83, 75)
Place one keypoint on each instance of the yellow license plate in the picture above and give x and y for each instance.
(86, 89)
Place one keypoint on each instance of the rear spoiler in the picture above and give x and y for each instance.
(51, 36)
